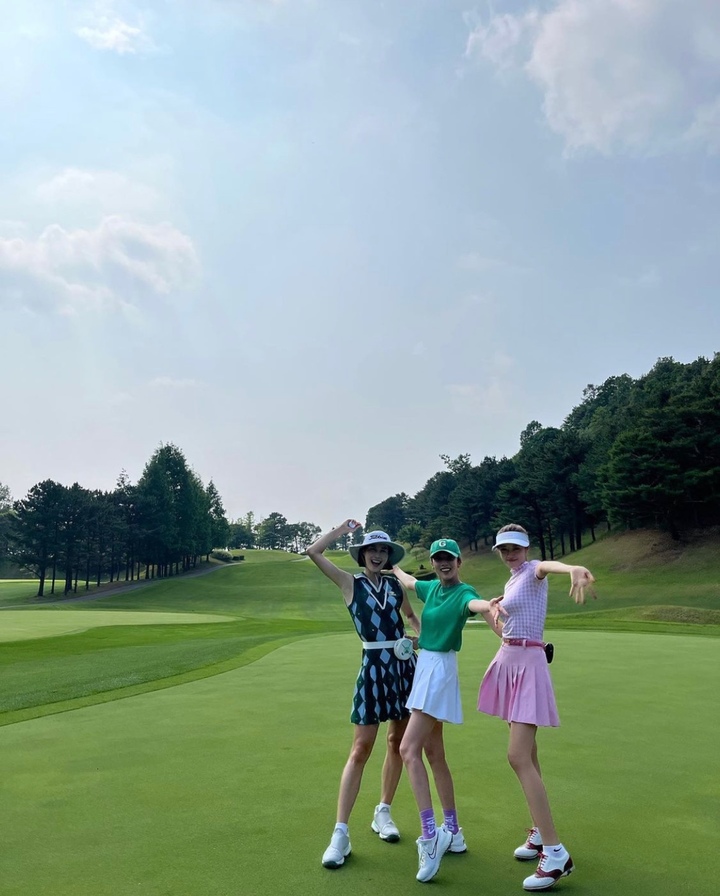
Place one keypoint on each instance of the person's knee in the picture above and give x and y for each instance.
(394, 740)
(519, 760)
(360, 752)
(409, 752)
(435, 752)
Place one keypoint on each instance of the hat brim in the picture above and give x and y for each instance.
(516, 538)
(397, 551)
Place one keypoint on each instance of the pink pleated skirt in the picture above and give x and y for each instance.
(517, 687)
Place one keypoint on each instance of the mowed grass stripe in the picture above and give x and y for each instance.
(56, 674)
(21, 625)
(228, 785)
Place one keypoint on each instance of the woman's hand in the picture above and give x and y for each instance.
(581, 579)
(496, 611)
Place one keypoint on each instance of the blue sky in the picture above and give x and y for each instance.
(317, 243)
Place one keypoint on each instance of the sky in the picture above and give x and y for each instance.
(318, 243)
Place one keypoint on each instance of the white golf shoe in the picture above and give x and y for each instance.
(531, 848)
(339, 849)
(457, 844)
(384, 826)
(549, 871)
(430, 852)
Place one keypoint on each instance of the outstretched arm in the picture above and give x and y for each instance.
(340, 577)
(406, 580)
(580, 578)
(490, 610)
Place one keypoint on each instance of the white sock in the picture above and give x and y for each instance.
(556, 851)
(343, 827)
(384, 806)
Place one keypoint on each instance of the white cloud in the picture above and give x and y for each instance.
(500, 41)
(98, 191)
(105, 29)
(119, 264)
(617, 75)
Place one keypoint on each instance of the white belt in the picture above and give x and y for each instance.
(402, 648)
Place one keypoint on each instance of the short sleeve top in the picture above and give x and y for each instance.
(444, 614)
(525, 602)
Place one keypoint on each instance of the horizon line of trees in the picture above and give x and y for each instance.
(272, 533)
(634, 453)
(153, 529)
(156, 528)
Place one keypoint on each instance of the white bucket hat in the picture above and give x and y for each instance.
(397, 551)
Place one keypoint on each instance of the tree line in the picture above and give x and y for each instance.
(634, 453)
(69, 536)
(272, 533)
(157, 527)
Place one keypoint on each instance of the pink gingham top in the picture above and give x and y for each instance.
(525, 602)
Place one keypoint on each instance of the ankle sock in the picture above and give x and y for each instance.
(450, 819)
(427, 823)
(343, 827)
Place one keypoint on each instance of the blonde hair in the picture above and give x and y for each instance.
(513, 527)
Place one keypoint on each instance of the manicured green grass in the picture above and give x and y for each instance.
(21, 625)
(17, 591)
(227, 785)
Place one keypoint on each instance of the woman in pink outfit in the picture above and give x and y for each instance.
(517, 688)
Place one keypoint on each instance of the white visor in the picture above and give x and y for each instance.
(519, 538)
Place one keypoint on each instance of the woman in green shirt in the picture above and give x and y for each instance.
(435, 696)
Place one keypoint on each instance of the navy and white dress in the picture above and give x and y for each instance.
(384, 681)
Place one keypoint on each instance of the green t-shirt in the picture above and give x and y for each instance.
(444, 615)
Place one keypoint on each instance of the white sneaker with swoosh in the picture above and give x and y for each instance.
(430, 852)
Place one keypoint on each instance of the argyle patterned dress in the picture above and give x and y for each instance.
(383, 683)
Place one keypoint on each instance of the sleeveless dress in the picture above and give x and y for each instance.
(384, 681)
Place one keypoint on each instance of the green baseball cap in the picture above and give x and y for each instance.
(445, 544)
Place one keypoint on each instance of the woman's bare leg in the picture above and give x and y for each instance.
(393, 764)
(363, 741)
(416, 734)
(522, 756)
(435, 752)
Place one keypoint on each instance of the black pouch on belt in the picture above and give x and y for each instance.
(549, 652)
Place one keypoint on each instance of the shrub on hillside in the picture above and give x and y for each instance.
(223, 555)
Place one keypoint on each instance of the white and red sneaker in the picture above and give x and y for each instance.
(531, 848)
(550, 869)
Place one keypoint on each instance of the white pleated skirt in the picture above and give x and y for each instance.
(436, 686)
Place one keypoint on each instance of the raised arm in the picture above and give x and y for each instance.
(315, 552)
(406, 580)
(580, 578)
